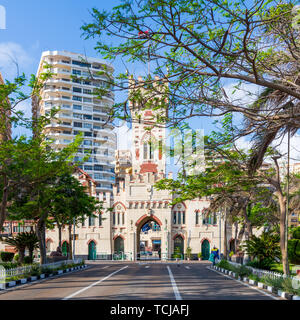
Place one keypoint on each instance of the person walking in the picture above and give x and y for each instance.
(214, 255)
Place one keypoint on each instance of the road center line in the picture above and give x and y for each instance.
(175, 289)
(105, 267)
(93, 284)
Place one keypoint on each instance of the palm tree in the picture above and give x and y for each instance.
(31, 241)
(18, 243)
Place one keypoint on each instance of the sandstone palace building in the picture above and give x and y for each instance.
(142, 223)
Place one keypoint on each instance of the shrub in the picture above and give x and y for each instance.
(224, 264)
(273, 282)
(27, 260)
(294, 250)
(7, 256)
(46, 270)
(199, 255)
(287, 286)
(243, 271)
(265, 264)
(35, 270)
(16, 257)
(9, 265)
(254, 277)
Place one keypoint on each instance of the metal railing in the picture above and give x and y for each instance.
(13, 272)
(263, 273)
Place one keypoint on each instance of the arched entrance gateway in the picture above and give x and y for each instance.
(178, 246)
(148, 238)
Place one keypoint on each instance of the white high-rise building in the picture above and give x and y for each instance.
(75, 79)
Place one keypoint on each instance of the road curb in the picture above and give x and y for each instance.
(36, 279)
(260, 285)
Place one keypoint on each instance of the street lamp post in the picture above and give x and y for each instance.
(73, 238)
(287, 203)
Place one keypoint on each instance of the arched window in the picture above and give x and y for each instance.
(197, 217)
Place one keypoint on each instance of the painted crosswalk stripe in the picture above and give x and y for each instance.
(147, 267)
(93, 284)
(187, 267)
(175, 289)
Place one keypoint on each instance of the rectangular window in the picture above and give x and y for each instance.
(123, 219)
(88, 167)
(118, 218)
(77, 107)
(75, 89)
(87, 91)
(74, 71)
(91, 221)
(183, 217)
(76, 81)
(81, 64)
(76, 98)
(87, 134)
(197, 217)
(114, 219)
(77, 115)
(78, 124)
(100, 219)
(83, 221)
(174, 217)
(87, 117)
(87, 142)
(179, 217)
(87, 125)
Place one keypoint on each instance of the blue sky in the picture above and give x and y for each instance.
(33, 26)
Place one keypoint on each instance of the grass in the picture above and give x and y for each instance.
(278, 267)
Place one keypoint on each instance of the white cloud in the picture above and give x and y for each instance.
(244, 94)
(13, 59)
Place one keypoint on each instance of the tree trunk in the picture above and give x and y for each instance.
(225, 238)
(283, 248)
(4, 201)
(59, 235)
(240, 236)
(236, 236)
(248, 233)
(21, 255)
(41, 227)
(70, 242)
(31, 253)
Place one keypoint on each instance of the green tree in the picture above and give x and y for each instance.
(71, 203)
(199, 49)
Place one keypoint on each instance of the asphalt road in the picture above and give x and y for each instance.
(135, 281)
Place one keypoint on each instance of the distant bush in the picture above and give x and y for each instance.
(27, 260)
(7, 256)
(9, 265)
(265, 264)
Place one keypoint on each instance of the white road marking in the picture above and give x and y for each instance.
(147, 267)
(246, 284)
(187, 267)
(175, 289)
(93, 284)
(105, 267)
